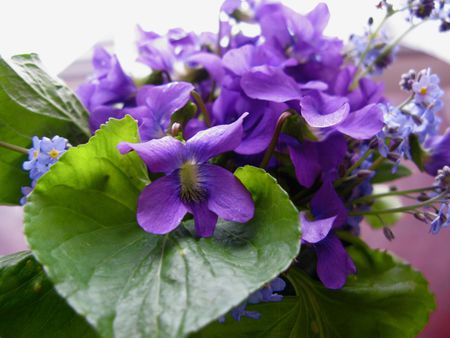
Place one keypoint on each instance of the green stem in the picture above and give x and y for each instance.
(274, 140)
(201, 104)
(400, 209)
(359, 75)
(369, 198)
(353, 167)
(377, 163)
(13, 147)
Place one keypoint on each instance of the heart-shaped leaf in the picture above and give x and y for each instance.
(30, 306)
(80, 223)
(32, 103)
(387, 298)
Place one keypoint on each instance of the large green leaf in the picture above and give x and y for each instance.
(32, 103)
(30, 306)
(386, 299)
(80, 223)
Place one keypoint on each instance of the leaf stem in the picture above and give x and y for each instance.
(274, 140)
(13, 147)
(353, 167)
(369, 198)
(201, 104)
(400, 209)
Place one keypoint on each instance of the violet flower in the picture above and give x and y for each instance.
(191, 184)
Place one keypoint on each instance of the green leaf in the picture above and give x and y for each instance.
(31, 103)
(388, 202)
(30, 306)
(386, 299)
(417, 153)
(80, 223)
(384, 173)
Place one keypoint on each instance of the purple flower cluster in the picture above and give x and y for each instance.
(269, 89)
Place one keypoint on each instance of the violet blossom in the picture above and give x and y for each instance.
(191, 184)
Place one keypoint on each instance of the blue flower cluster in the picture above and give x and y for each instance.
(416, 116)
(41, 156)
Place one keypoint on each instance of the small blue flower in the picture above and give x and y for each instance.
(426, 88)
(41, 156)
(442, 219)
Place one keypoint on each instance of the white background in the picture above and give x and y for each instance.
(62, 31)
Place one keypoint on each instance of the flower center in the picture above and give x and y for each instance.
(53, 153)
(191, 187)
(35, 154)
(423, 91)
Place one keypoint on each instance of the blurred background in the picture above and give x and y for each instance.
(63, 34)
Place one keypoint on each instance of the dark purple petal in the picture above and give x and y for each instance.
(305, 159)
(228, 198)
(216, 140)
(159, 208)
(367, 92)
(315, 231)
(321, 110)
(326, 203)
(333, 262)
(332, 151)
(211, 62)
(270, 84)
(205, 220)
(364, 123)
(161, 155)
(312, 159)
(259, 127)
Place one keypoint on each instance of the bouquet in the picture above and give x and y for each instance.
(222, 194)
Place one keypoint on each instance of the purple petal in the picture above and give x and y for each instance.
(321, 110)
(270, 84)
(319, 17)
(239, 60)
(305, 159)
(326, 203)
(211, 62)
(165, 99)
(439, 147)
(333, 262)
(205, 219)
(159, 207)
(216, 140)
(315, 231)
(314, 85)
(161, 155)
(259, 127)
(102, 114)
(364, 123)
(228, 198)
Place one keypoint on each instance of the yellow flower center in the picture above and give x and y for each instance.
(423, 91)
(191, 189)
(35, 154)
(53, 153)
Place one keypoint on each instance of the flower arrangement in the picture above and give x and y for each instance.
(222, 195)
